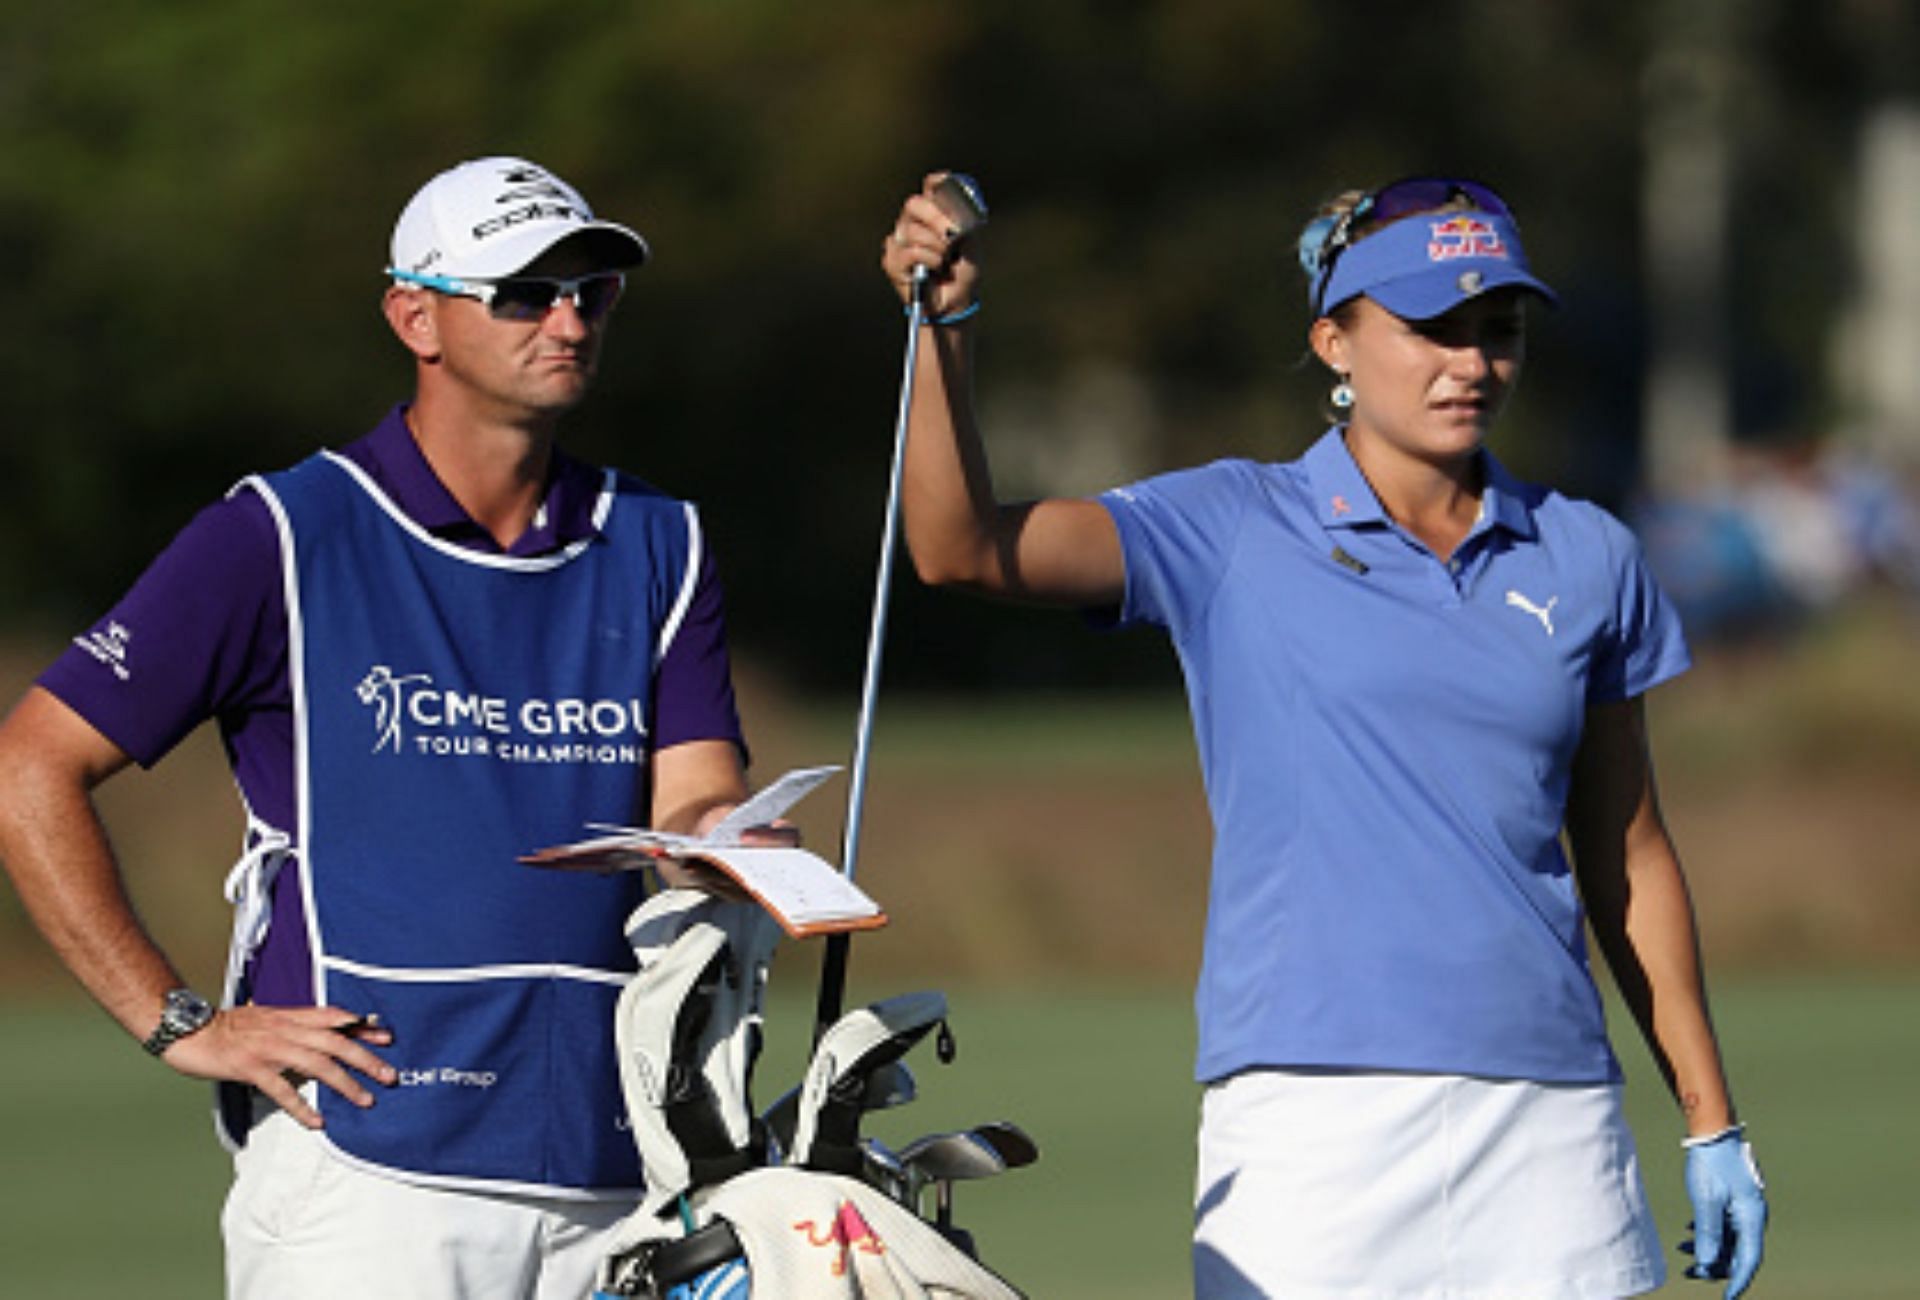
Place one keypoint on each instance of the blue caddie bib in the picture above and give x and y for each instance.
(453, 710)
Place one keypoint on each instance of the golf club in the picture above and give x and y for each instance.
(959, 197)
(940, 1159)
(881, 1170)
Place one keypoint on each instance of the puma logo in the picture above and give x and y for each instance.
(1542, 612)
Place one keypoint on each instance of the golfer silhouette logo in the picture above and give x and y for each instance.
(1542, 612)
(388, 696)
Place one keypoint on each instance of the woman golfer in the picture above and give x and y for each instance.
(1409, 674)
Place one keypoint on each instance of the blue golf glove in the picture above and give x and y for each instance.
(1729, 1209)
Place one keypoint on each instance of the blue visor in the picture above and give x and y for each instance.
(1424, 266)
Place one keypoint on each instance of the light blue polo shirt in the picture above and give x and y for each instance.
(1386, 741)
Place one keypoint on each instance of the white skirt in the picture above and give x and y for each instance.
(1351, 1185)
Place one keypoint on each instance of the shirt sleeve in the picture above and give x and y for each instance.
(1645, 644)
(693, 687)
(1176, 533)
(201, 632)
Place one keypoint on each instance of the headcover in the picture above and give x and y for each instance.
(1427, 264)
(834, 1093)
(688, 1029)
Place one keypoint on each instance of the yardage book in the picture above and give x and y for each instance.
(803, 891)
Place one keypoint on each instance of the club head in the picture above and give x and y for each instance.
(958, 195)
(951, 1157)
(1014, 1147)
(882, 1170)
(978, 1152)
(941, 1159)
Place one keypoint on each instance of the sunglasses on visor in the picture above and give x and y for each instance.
(1391, 202)
(528, 297)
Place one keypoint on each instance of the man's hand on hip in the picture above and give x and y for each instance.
(276, 1049)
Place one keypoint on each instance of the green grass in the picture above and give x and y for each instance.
(110, 1176)
(113, 1182)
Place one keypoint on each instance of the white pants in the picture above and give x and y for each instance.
(302, 1224)
(1340, 1185)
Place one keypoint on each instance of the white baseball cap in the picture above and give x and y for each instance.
(491, 216)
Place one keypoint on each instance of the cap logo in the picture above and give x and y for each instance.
(1470, 282)
(546, 199)
(1464, 236)
(530, 176)
(531, 212)
(525, 184)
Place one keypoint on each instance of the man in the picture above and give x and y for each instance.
(437, 649)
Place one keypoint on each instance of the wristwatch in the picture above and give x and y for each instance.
(184, 1012)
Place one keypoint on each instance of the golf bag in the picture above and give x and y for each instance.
(792, 1205)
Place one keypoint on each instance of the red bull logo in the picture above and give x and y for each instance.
(848, 1232)
(1464, 236)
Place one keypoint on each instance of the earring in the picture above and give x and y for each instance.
(1342, 395)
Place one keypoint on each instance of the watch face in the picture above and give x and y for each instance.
(183, 1012)
(188, 1008)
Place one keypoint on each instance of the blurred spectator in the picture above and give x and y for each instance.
(1799, 528)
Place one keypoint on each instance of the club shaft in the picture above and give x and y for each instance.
(833, 971)
(882, 592)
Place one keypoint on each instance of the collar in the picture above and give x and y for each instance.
(1342, 497)
(1504, 498)
(394, 460)
(1341, 494)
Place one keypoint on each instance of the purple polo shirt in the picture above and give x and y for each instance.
(203, 634)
